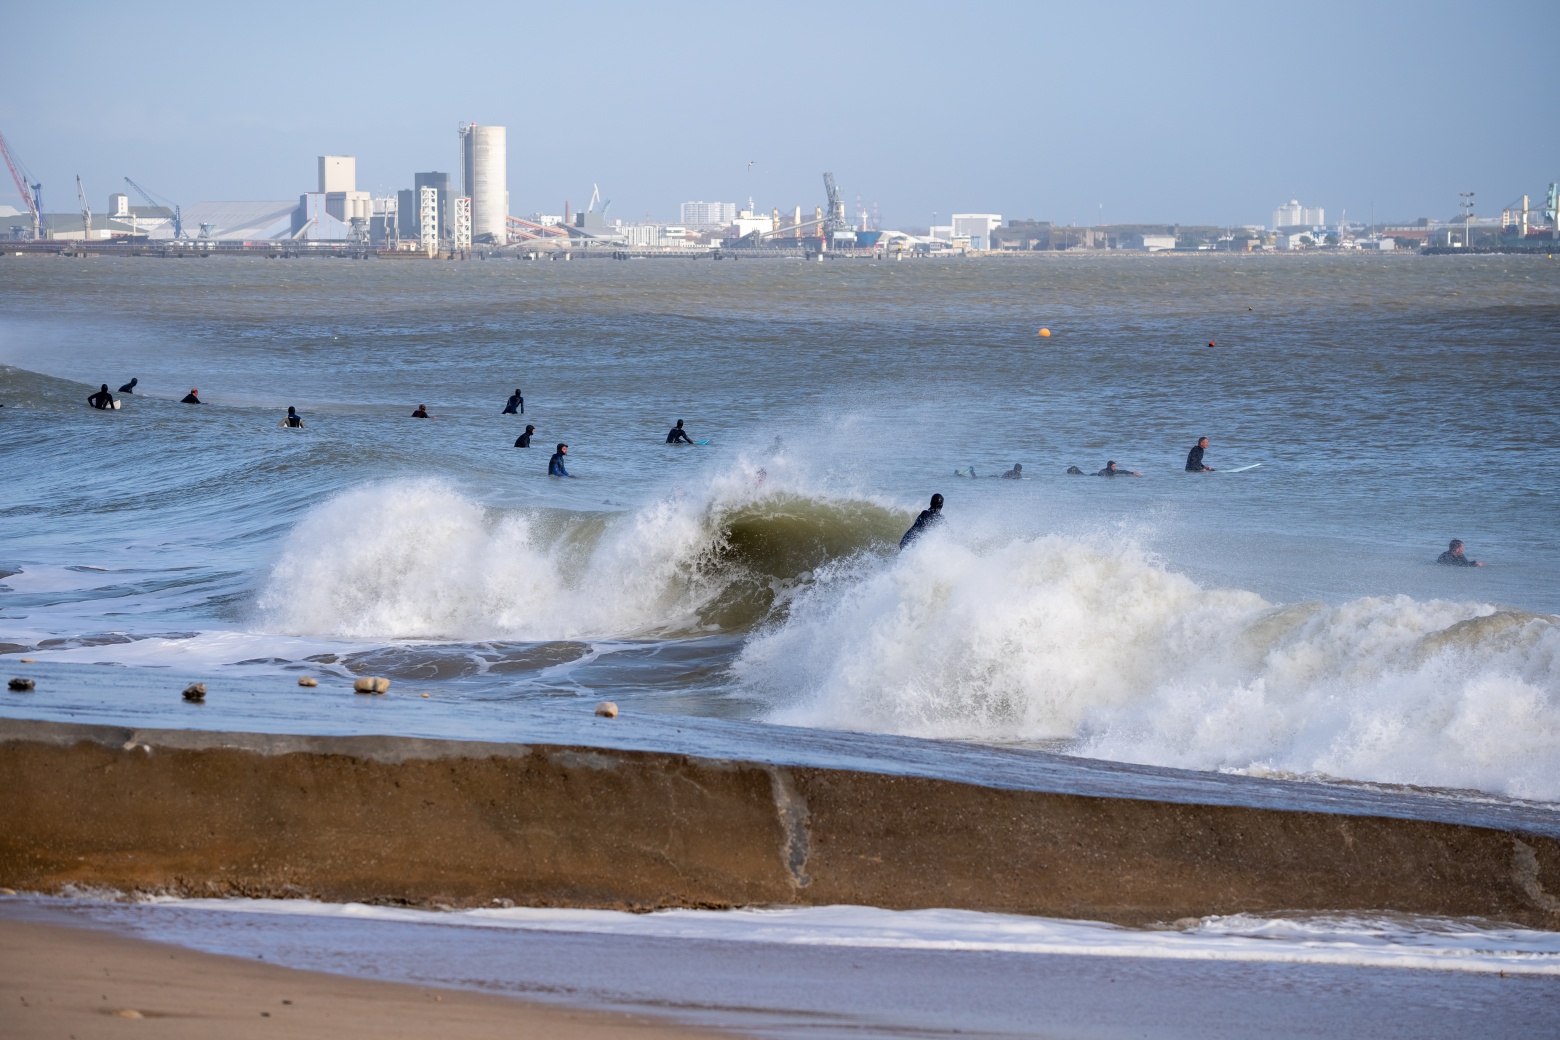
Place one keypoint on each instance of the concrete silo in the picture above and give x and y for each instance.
(485, 168)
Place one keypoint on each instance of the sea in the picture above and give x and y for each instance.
(1285, 621)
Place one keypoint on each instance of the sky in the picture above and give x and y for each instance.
(1192, 113)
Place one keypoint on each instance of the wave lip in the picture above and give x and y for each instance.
(1103, 652)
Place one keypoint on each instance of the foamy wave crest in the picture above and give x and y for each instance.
(1115, 657)
(417, 560)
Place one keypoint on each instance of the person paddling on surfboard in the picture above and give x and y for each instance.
(555, 464)
(294, 420)
(1194, 458)
(678, 435)
(1110, 470)
(928, 519)
(1016, 473)
(193, 397)
(524, 440)
(129, 388)
(1453, 556)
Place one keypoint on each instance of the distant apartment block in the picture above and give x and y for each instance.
(1292, 214)
(708, 214)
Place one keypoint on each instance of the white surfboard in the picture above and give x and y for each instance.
(1242, 469)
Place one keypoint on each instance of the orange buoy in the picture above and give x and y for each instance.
(1210, 343)
(1044, 333)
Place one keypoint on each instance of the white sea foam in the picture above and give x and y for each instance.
(1099, 647)
(1356, 940)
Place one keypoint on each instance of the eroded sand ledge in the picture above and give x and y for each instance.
(455, 823)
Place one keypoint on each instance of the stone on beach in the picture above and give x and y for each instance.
(195, 691)
(371, 684)
(21, 685)
(607, 710)
(308, 681)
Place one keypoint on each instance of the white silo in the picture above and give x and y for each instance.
(485, 170)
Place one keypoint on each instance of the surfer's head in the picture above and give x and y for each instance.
(936, 502)
(1202, 442)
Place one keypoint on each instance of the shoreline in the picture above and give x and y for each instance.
(443, 823)
(61, 979)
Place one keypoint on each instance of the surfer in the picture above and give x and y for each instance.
(1110, 470)
(515, 404)
(678, 435)
(929, 518)
(1074, 471)
(101, 399)
(1194, 458)
(294, 420)
(524, 440)
(129, 388)
(1016, 473)
(421, 412)
(193, 397)
(555, 464)
(1454, 557)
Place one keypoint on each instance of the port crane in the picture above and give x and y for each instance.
(833, 219)
(86, 210)
(30, 190)
(159, 201)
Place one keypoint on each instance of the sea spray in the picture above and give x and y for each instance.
(1101, 650)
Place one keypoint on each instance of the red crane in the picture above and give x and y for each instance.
(32, 194)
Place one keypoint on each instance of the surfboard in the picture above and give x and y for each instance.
(1242, 469)
(701, 442)
(116, 406)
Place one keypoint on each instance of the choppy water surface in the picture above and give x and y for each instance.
(1286, 620)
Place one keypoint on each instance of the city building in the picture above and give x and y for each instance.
(1149, 242)
(977, 227)
(484, 180)
(1291, 214)
(708, 214)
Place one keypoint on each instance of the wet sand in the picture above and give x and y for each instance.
(58, 981)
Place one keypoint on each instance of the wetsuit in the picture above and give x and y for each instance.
(190, 399)
(1108, 472)
(555, 465)
(1075, 471)
(1456, 559)
(1194, 462)
(928, 519)
(524, 440)
(1013, 474)
(516, 404)
(294, 420)
(421, 413)
(678, 435)
(101, 399)
(129, 388)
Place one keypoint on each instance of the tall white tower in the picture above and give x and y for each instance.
(484, 179)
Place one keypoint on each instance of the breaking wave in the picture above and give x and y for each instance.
(1099, 651)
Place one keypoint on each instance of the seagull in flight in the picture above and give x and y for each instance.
(750, 165)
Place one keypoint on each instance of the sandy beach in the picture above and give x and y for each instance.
(58, 981)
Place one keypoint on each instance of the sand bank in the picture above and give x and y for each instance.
(452, 823)
(58, 981)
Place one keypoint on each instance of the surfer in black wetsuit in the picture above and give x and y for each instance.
(421, 412)
(678, 435)
(1453, 556)
(193, 397)
(515, 404)
(928, 519)
(1016, 473)
(1194, 458)
(524, 440)
(293, 420)
(555, 464)
(1110, 470)
(101, 399)
(129, 388)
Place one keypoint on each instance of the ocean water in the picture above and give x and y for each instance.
(1285, 621)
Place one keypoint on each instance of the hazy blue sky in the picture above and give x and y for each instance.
(1073, 112)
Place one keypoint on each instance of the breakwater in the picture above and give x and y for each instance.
(457, 823)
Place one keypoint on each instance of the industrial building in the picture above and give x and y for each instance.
(1293, 215)
(484, 180)
(976, 228)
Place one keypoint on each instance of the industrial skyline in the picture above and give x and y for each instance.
(1210, 113)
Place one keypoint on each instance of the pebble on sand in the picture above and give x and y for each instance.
(195, 691)
(21, 685)
(371, 684)
(308, 680)
(607, 710)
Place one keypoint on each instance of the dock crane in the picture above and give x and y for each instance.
(86, 210)
(32, 193)
(158, 200)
